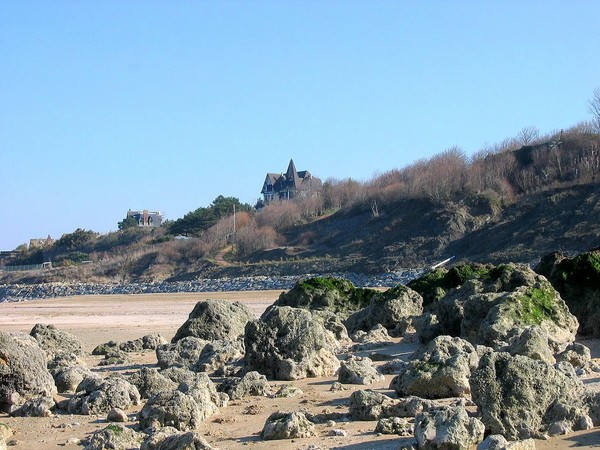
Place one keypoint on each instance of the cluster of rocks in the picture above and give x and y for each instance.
(497, 358)
(21, 292)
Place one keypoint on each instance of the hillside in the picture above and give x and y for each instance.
(417, 233)
(406, 234)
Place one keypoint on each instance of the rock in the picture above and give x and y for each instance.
(174, 409)
(496, 319)
(292, 425)
(395, 425)
(115, 357)
(330, 294)
(23, 372)
(105, 348)
(198, 385)
(113, 392)
(253, 383)
(448, 429)
(533, 343)
(199, 355)
(578, 355)
(169, 438)
(576, 279)
(132, 346)
(393, 309)
(522, 398)
(117, 415)
(116, 437)
(56, 342)
(288, 391)
(69, 378)
(152, 341)
(377, 334)
(372, 405)
(357, 370)
(498, 442)
(441, 369)
(36, 407)
(289, 344)
(428, 327)
(215, 320)
(149, 381)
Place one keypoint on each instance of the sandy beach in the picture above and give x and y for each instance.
(98, 319)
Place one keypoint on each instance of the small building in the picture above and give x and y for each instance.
(146, 218)
(291, 184)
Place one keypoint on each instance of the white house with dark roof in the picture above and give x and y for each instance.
(291, 184)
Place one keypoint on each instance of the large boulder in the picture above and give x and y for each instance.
(56, 342)
(448, 429)
(394, 309)
(23, 371)
(578, 281)
(96, 396)
(498, 319)
(288, 344)
(520, 398)
(281, 425)
(174, 409)
(214, 320)
(440, 369)
(335, 295)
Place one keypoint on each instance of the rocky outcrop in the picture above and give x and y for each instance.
(522, 398)
(393, 309)
(281, 425)
(289, 344)
(216, 320)
(440, 369)
(448, 429)
(23, 371)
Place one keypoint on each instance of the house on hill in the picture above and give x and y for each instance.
(146, 218)
(291, 184)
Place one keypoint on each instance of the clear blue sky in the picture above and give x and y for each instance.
(163, 105)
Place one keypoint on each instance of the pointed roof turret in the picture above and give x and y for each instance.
(292, 174)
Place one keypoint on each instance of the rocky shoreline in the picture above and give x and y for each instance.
(24, 292)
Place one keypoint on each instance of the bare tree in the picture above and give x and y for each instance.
(527, 135)
(594, 108)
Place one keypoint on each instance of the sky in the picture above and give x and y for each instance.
(113, 105)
